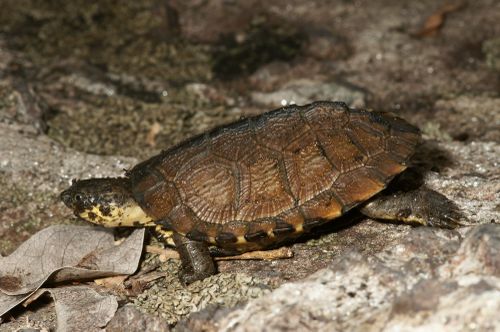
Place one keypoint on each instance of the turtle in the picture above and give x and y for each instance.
(265, 180)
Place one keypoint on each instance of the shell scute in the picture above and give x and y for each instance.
(276, 132)
(210, 189)
(263, 190)
(309, 170)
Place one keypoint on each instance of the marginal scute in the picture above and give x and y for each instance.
(282, 228)
(225, 238)
(371, 140)
(294, 217)
(259, 231)
(233, 144)
(399, 148)
(401, 126)
(374, 120)
(255, 236)
(357, 186)
(312, 223)
(277, 132)
(326, 116)
(386, 164)
(196, 235)
(324, 206)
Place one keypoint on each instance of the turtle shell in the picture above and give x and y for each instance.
(263, 179)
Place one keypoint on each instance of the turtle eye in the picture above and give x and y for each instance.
(78, 197)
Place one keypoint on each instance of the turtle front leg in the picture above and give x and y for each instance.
(197, 264)
(422, 206)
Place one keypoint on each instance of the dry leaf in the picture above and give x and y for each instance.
(436, 20)
(153, 132)
(279, 253)
(116, 282)
(64, 253)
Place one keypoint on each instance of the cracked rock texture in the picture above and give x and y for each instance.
(430, 281)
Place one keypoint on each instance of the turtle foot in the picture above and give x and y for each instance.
(197, 264)
(422, 206)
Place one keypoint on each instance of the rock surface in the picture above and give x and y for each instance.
(131, 319)
(420, 283)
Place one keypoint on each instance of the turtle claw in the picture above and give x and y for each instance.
(443, 213)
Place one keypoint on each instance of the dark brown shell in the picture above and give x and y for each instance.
(260, 180)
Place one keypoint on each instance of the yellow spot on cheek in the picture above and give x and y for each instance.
(128, 215)
(133, 214)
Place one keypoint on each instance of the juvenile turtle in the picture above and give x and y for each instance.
(262, 180)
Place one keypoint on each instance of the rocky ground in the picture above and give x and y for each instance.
(89, 90)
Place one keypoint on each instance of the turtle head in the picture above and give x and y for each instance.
(107, 201)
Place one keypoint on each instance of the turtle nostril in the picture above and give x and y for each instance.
(66, 197)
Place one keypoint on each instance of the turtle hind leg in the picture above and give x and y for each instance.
(197, 263)
(422, 206)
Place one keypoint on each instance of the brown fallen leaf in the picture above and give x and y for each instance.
(33, 297)
(153, 132)
(115, 282)
(64, 253)
(436, 20)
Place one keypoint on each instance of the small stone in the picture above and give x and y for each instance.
(129, 318)
(303, 91)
